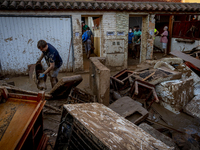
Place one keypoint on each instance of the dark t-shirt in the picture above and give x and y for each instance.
(52, 56)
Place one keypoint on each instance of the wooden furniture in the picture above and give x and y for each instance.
(21, 121)
(95, 126)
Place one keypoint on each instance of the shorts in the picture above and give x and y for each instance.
(87, 45)
(164, 45)
(54, 73)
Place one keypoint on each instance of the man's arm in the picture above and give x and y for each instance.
(50, 68)
(157, 32)
(41, 57)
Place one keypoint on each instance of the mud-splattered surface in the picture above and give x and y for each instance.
(111, 129)
(51, 120)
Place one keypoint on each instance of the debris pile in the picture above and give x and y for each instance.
(160, 100)
(166, 89)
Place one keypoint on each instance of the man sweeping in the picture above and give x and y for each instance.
(53, 60)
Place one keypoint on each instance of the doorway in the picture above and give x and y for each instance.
(94, 23)
(134, 45)
(160, 22)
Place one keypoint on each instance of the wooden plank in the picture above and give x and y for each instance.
(149, 76)
(192, 60)
(171, 19)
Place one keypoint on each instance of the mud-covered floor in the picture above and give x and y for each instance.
(182, 122)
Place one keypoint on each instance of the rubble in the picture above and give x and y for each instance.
(129, 109)
(188, 73)
(158, 75)
(173, 61)
(175, 94)
(160, 64)
(129, 96)
(120, 81)
(156, 134)
(64, 86)
(135, 90)
(79, 96)
(193, 107)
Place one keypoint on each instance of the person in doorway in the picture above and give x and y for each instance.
(130, 40)
(53, 60)
(86, 38)
(84, 26)
(164, 40)
(156, 32)
(137, 41)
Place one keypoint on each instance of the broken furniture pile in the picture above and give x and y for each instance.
(155, 84)
(152, 97)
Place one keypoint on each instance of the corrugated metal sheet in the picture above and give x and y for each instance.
(19, 37)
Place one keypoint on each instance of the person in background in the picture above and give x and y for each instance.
(130, 40)
(137, 41)
(156, 32)
(164, 40)
(86, 38)
(84, 26)
(53, 60)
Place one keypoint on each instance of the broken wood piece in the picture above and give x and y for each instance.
(192, 60)
(127, 77)
(54, 108)
(149, 76)
(135, 90)
(114, 78)
(64, 86)
(166, 126)
(14, 89)
(129, 109)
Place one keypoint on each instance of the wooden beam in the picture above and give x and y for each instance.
(170, 29)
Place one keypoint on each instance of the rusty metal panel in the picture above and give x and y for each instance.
(19, 37)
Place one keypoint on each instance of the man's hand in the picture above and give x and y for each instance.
(41, 75)
(38, 62)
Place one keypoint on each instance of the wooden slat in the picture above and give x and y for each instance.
(192, 60)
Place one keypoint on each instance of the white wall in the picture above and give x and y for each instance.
(19, 37)
(180, 46)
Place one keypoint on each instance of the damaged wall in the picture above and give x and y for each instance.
(180, 46)
(150, 40)
(77, 42)
(18, 42)
(114, 39)
(183, 46)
